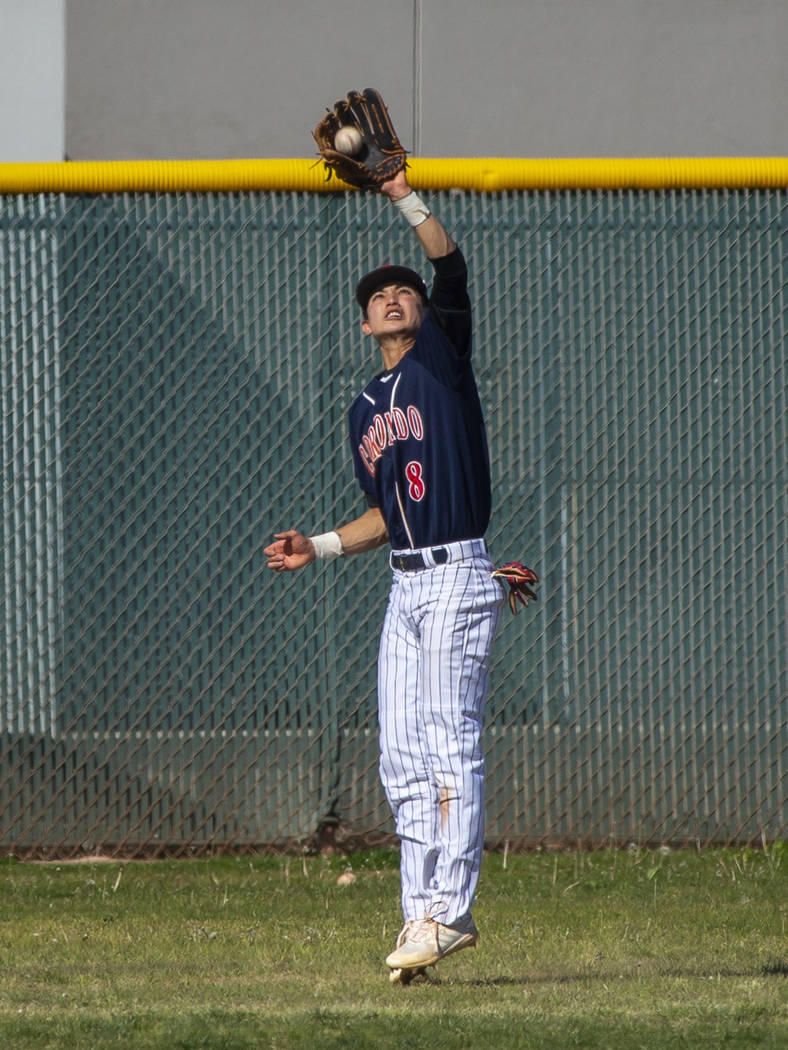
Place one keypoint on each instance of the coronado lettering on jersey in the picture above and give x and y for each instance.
(386, 429)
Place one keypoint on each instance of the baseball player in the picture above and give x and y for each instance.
(420, 455)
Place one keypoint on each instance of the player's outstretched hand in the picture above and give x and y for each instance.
(289, 551)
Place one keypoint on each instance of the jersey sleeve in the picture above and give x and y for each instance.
(449, 301)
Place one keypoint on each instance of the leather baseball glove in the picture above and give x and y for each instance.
(379, 156)
(520, 579)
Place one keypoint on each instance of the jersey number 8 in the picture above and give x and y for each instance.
(416, 486)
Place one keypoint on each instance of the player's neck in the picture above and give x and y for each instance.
(393, 348)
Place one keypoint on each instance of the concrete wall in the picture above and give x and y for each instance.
(32, 85)
(235, 78)
(202, 78)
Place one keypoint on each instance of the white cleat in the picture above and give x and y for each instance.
(423, 942)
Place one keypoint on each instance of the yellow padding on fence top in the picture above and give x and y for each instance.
(480, 174)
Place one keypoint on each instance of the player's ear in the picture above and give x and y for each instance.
(365, 326)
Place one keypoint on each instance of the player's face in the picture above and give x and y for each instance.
(394, 309)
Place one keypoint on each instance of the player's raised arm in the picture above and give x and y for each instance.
(357, 142)
(433, 237)
(293, 550)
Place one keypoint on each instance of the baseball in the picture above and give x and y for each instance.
(348, 140)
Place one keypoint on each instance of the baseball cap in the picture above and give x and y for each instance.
(384, 275)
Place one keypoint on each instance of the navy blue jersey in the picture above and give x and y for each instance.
(417, 432)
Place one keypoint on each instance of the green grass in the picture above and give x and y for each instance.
(612, 950)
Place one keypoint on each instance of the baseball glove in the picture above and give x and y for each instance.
(380, 155)
(520, 579)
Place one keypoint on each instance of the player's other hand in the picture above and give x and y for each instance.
(289, 551)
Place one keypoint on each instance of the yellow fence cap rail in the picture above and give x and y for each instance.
(477, 174)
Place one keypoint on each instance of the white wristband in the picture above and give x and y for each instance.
(327, 545)
(413, 208)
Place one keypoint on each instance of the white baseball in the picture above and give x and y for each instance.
(348, 140)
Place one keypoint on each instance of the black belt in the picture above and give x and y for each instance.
(414, 562)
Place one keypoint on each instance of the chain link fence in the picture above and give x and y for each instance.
(176, 372)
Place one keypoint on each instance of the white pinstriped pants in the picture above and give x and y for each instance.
(432, 685)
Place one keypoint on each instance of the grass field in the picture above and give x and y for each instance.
(613, 949)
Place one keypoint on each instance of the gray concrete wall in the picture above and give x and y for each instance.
(32, 82)
(236, 78)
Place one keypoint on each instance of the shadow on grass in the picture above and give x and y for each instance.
(775, 969)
